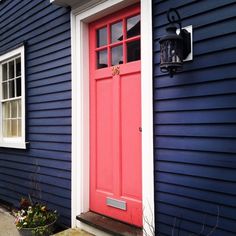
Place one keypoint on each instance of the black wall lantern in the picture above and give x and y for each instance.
(174, 48)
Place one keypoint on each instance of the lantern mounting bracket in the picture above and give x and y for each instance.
(186, 42)
(171, 14)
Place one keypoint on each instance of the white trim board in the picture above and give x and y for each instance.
(80, 106)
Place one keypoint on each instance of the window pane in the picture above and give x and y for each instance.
(4, 72)
(11, 89)
(133, 51)
(13, 128)
(133, 26)
(4, 90)
(117, 55)
(11, 70)
(19, 108)
(18, 67)
(116, 32)
(6, 110)
(102, 59)
(102, 37)
(18, 87)
(6, 128)
(13, 109)
(19, 127)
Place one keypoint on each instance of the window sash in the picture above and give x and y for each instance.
(11, 117)
(12, 99)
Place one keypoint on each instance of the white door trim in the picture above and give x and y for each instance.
(80, 106)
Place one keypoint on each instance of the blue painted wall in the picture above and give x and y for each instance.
(195, 123)
(45, 166)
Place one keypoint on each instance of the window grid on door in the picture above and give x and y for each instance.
(118, 42)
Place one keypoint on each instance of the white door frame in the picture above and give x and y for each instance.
(80, 105)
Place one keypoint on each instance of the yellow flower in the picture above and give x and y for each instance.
(43, 208)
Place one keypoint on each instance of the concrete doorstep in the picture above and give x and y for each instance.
(73, 232)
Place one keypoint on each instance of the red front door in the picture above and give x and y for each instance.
(115, 116)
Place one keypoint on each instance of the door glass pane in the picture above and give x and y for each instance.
(18, 67)
(4, 90)
(133, 26)
(19, 127)
(4, 72)
(11, 89)
(13, 109)
(18, 87)
(117, 55)
(102, 37)
(6, 110)
(116, 32)
(102, 59)
(133, 51)
(11, 70)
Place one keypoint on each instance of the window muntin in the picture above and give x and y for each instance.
(12, 99)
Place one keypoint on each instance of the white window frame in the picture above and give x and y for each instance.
(14, 142)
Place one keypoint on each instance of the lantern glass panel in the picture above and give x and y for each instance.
(171, 52)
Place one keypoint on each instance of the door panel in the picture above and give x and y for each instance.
(131, 136)
(104, 135)
(115, 116)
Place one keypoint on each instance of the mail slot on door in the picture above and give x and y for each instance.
(116, 203)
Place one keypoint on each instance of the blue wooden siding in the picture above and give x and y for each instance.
(195, 123)
(45, 29)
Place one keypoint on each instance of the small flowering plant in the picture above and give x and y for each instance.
(35, 217)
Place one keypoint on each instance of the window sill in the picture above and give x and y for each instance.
(13, 143)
